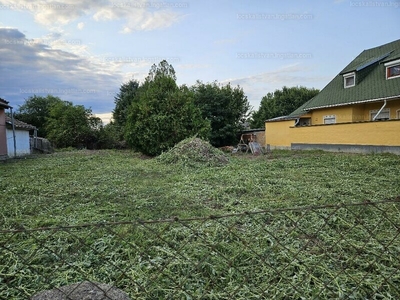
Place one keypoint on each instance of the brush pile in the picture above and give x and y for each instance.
(194, 152)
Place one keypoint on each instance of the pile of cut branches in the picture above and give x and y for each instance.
(194, 152)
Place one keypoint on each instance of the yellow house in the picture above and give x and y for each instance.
(358, 111)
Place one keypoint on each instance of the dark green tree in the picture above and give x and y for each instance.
(127, 94)
(108, 137)
(281, 103)
(164, 115)
(35, 111)
(226, 107)
(163, 69)
(71, 125)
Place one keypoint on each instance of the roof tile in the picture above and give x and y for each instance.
(19, 124)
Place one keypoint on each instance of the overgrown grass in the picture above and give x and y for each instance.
(233, 258)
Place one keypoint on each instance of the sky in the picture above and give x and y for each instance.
(83, 50)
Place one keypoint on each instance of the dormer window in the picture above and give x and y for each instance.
(349, 79)
(393, 69)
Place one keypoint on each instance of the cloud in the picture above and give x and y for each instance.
(106, 117)
(32, 66)
(80, 25)
(138, 18)
(258, 85)
(138, 15)
(276, 76)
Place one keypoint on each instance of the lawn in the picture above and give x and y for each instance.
(331, 252)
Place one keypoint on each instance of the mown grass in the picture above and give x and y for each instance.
(82, 186)
(244, 257)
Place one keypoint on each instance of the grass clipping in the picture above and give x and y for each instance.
(194, 152)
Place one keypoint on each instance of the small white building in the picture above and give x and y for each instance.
(22, 140)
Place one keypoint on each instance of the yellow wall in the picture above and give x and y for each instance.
(354, 113)
(343, 114)
(359, 113)
(278, 134)
(356, 128)
(380, 133)
(392, 105)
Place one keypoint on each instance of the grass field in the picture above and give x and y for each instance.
(81, 187)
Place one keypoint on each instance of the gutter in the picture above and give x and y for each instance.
(380, 110)
(354, 102)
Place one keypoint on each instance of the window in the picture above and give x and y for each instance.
(331, 119)
(305, 122)
(384, 114)
(349, 79)
(398, 114)
(393, 69)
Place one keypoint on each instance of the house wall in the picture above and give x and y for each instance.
(359, 114)
(382, 133)
(279, 134)
(22, 141)
(392, 105)
(361, 137)
(353, 127)
(3, 137)
(354, 113)
(343, 114)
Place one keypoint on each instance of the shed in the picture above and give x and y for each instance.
(254, 135)
(22, 140)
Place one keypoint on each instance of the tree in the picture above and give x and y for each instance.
(127, 94)
(164, 114)
(281, 103)
(227, 109)
(108, 137)
(35, 111)
(164, 69)
(71, 125)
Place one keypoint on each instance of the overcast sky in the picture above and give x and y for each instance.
(82, 51)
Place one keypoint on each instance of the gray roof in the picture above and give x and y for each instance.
(19, 124)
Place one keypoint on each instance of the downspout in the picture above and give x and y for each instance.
(297, 122)
(13, 129)
(380, 110)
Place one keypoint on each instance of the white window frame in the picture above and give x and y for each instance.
(373, 112)
(389, 65)
(347, 76)
(330, 118)
(398, 114)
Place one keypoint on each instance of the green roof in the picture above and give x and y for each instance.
(371, 83)
(301, 110)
